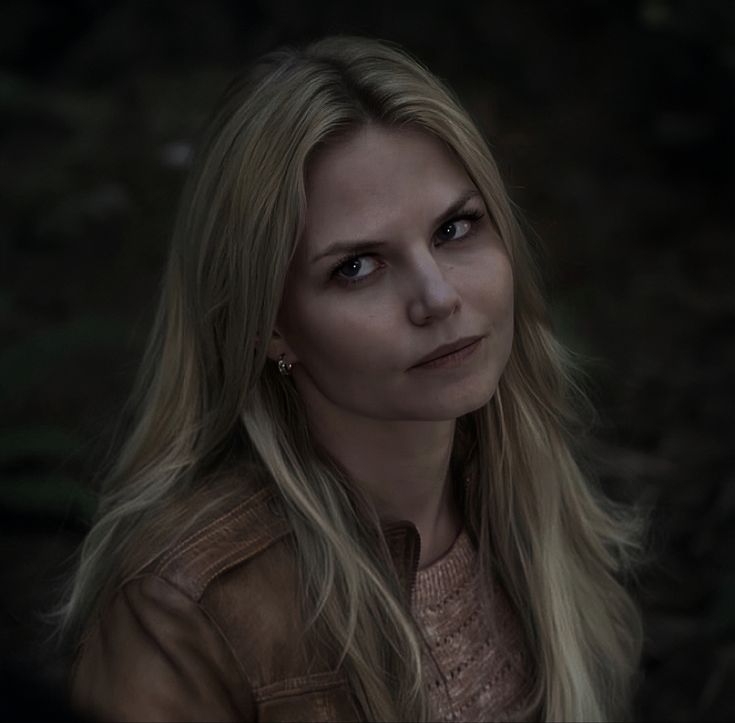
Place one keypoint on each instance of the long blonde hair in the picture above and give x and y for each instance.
(208, 398)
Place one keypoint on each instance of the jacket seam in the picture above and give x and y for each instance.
(233, 654)
(181, 550)
(262, 693)
(146, 630)
(210, 529)
(204, 580)
(213, 624)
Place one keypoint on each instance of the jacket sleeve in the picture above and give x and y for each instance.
(155, 655)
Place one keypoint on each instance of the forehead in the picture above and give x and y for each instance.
(376, 177)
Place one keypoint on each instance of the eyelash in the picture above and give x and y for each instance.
(472, 216)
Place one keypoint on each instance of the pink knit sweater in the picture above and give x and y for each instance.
(476, 642)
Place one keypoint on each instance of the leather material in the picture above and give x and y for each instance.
(213, 631)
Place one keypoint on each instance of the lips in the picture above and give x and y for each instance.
(447, 349)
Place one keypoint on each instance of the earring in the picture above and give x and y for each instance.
(284, 367)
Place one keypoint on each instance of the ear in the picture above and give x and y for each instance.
(278, 345)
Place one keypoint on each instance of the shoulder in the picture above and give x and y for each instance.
(251, 526)
(213, 625)
(161, 645)
(154, 653)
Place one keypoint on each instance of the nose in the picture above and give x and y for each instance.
(433, 296)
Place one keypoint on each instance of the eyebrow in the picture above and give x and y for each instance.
(367, 244)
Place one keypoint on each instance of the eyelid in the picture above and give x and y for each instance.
(473, 215)
(467, 214)
(344, 260)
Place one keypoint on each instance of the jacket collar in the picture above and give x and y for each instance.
(401, 536)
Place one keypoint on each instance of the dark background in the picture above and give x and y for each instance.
(613, 125)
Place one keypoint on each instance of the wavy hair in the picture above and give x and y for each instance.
(207, 397)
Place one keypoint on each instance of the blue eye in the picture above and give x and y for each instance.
(455, 230)
(459, 227)
(348, 269)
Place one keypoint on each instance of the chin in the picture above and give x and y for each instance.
(455, 406)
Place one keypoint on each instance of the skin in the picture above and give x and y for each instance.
(352, 346)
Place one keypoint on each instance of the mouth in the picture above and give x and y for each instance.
(449, 354)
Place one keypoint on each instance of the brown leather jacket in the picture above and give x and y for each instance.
(212, 631)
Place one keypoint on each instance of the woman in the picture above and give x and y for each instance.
(350, 492)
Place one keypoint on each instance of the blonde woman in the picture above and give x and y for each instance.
(350, 494)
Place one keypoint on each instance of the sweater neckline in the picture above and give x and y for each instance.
(448, 574)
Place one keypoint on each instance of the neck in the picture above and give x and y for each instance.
(403, 466)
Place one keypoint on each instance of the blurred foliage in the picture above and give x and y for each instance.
(613, 125)
(47, 495)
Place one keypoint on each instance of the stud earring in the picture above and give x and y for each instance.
(284, 367)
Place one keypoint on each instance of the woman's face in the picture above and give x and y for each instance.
(431, 270)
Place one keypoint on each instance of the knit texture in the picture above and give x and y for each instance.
(476, 641)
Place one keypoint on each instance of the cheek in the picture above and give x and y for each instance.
(493, 301)
(505, 293)
(490, 288)
(325, 335)
(502, 303)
